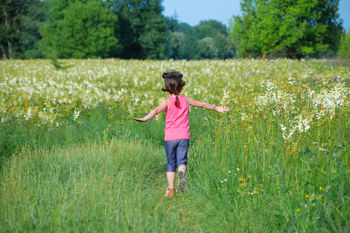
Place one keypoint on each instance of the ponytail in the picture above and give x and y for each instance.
(177, 103)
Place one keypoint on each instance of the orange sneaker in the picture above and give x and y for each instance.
(170, 192)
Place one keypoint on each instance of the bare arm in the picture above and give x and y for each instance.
(199, 104)
(154, 112)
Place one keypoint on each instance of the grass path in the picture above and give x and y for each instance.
(113, 186)
(118, 185)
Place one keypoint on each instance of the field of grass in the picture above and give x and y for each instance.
(73, 160)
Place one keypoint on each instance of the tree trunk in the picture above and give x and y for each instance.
(9, 48)
(3, 51)
(8, 27)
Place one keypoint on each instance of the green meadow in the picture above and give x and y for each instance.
(73, 160)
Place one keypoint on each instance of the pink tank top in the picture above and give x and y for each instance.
(176, 120)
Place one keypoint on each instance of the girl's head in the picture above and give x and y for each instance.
(173, 83)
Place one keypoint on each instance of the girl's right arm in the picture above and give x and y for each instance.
(154, 112)
(196, 103)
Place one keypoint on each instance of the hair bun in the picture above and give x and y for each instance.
(172, 74)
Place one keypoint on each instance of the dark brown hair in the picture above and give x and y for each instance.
(173, 84)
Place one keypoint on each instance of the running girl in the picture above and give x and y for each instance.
(177, 129)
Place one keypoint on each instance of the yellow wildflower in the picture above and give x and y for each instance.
(306, 196)
(298, 209)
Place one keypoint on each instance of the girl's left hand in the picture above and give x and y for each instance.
(139, 119)
(222, 109)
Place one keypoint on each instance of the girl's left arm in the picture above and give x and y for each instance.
(200, 104)
(154, 112)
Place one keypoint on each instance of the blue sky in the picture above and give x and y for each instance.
(193, 11)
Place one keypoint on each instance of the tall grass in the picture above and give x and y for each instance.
(110, 186)
(94, 125)
(246, 171)
(251, 185)
(117, 184)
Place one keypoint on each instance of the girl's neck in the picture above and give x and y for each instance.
(173, 95)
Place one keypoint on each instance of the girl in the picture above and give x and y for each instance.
(177, 129)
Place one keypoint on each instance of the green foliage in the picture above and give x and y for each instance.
(208, 40)
(96, 28)
(277, 28)
(19, 28)
(344, 48)
(210, 28)
(207, 48)
(225, 47)
(59, 65)
(191, 50)
(220, 47)
(141, 28)
(177, 44)
(137, 29)
(79, 30)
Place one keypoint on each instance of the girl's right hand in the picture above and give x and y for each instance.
(139, 119)
(222, 109)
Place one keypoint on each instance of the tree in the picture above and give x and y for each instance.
(210, 28)
(141, 28)
(184, 27)
(191, 50)
(172, 24)
(19, 28)
(286, 28)
(174, 46)
(207, 48)
(344, 49)
(79, 29)
(32, 21)
(225, 47)
(222, 48)
(177, 44)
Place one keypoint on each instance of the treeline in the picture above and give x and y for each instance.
(207, 40)
(137, 29)
(102, 29)
(287, 28)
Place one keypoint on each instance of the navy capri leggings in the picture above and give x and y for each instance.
(176, 153)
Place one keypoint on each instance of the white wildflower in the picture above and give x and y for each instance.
(224, 98)
(283, 131)
(29, 114)
(244, 116)
(303, 124)
(76, 115)
(291, 81)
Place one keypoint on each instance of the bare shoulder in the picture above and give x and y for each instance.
(189, 99)
(163, 100)
(163, 103)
